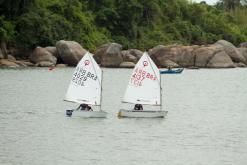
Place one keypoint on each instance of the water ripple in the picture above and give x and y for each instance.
(206, 123)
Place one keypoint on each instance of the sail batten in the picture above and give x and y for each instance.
(85, 85)
(144, 84)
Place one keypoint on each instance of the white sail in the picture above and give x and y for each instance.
(85, 86)
(144, 84)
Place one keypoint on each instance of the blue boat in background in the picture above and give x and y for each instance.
(172, 71)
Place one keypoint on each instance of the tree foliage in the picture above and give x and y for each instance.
(134, 23)
(7, 30)
(13, 8)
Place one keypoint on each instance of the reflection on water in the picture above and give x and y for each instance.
(206, 121)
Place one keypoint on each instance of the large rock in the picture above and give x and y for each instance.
(44, 64)
(61, 65)
(131, 55)
(243, 51)
(231, 50)
(42, 55)
(10, 57)
(127, 65)
(7, 63)
(169, 63)
(181, 55)
(204, 54)
(240, 64)
(220, 60)
(52, 50)
(136, 53)
(187, 56)
(160, 54)
(243, 45)
(127, 57)
(70, 52)
(109, 55)
(24, 63)
(19, 63)
(99, 52)
(155, 49)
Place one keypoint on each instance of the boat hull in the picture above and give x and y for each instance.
(171, 71)
(141, 114)
(86, 114)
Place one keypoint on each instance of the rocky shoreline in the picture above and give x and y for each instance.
(221, 54)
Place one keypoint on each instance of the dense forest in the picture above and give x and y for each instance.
(133, 23)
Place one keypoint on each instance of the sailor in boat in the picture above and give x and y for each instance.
(138, 107)
(169, 68)
(84, 107)
(89, 108)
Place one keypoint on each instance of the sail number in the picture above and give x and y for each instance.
(81, 75)
(139, 75)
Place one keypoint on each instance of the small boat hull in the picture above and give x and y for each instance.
(177, 71)
(86, 114)
(141, 113)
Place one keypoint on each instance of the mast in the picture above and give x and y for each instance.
(100, 82)
(101, 90)
(160, 94)
(159, 84)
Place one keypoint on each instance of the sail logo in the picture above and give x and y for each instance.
(145, 63)
(86, 62)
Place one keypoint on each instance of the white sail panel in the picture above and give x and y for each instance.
(85, 86)
(144, 84)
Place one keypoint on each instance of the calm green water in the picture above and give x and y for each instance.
(206, 123)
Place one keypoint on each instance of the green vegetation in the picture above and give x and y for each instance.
(240, 15)
(133, 23)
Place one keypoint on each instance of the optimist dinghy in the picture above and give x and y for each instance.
(85, 88)
(144, 88)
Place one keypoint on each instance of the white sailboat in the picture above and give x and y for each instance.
(86, 87)
(144, 88)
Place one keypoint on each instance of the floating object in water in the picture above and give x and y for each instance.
(51, 68)
(172, 71)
